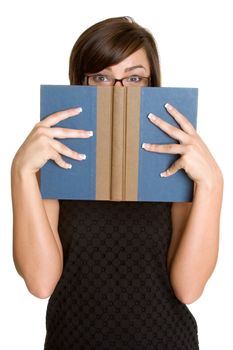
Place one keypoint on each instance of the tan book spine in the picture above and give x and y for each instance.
(132, 143)
(104, 143)
(118, 143)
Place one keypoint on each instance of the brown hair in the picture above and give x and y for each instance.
(109, 42)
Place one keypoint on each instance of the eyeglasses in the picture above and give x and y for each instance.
(107, 80)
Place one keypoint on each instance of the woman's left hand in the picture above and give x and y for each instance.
(195, 158)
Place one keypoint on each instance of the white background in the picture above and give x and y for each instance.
(195, 45)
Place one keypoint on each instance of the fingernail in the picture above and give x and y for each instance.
(90, 133)
(69, 166)
(152, 117)
(163, 174)
(168, 106)
(83, 156)
(146, 145)
(79, 109)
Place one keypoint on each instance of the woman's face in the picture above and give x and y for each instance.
(135, 65)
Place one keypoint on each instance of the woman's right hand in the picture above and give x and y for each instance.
(40, 145)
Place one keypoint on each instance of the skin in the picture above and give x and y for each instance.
(194, 244)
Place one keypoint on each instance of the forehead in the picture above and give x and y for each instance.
(139, 57)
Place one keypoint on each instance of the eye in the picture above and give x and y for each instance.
(134, 79)
(99, 78)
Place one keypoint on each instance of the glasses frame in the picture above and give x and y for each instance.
(114, 80)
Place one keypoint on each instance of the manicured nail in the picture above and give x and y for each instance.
(90, 133)
(146, 145)
(69, 166)
(78, 109)
(152, 117)
(168, 106)
(83, 156)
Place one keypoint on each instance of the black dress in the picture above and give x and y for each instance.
(114, 293)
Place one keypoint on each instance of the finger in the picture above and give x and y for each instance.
(180, 119)
(168, 148)
(62, 133)
(59, 116)
(56, 157)
(66, 151)
(169, 129)
(176, 166)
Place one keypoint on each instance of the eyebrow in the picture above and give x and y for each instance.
(134, 67)
(130, 68)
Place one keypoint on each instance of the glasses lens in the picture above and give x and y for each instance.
(135, 80)
(99, 79)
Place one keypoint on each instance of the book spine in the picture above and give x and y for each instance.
(132, 143)
(118, 144)
(104, 143)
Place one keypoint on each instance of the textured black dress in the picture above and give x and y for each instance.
(114, 293)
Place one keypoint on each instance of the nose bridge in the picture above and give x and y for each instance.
(118, 83)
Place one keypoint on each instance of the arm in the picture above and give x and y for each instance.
(37, 249)
(195, 237)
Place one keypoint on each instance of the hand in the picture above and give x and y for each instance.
(195, 158)
(40, 145)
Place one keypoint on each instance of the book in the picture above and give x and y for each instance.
(117, 168)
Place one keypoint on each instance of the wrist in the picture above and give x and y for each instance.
(20, 171)
(213, 183)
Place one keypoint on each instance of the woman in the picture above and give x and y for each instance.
(119, 273)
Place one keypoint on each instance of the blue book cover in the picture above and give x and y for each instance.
(117, 168)
(179, 186)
